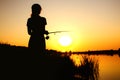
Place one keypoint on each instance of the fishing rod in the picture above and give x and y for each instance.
(54, 32)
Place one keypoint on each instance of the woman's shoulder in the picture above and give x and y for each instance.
(43, 18)
(29, 19)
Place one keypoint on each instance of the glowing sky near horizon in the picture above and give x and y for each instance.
(93, 24)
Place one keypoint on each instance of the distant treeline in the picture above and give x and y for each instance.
(99, 52)
(8, 47)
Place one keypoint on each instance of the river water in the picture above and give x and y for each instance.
(109, 65)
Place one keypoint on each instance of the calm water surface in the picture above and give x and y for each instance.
(109, 66)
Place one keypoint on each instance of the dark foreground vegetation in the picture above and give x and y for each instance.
(18, 63)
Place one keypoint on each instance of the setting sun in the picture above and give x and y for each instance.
(65, 40)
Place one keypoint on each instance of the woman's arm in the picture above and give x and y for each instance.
(28, 27)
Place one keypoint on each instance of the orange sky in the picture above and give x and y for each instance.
(93, 24)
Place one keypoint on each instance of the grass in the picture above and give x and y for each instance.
(89, 69)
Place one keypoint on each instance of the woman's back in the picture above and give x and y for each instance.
(37, 25)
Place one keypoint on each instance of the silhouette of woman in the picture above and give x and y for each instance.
(36, 30)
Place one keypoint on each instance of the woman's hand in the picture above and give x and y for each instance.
(46, 32)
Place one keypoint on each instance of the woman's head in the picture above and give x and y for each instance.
(36, 9)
